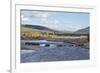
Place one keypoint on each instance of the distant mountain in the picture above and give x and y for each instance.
(80, 31)
(36, 27)
(42, 28)
(83, 31)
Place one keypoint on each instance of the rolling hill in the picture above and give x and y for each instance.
(43, 29)
(83, 31)
(37, 27)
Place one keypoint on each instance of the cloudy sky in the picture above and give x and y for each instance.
(61, 21)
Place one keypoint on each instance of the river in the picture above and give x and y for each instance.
(46, 54)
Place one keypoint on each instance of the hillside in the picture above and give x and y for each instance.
(37, 27)
(31, 32)
(41, 32)
(83, 31)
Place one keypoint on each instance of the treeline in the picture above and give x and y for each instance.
(36, 35)
(71, 34)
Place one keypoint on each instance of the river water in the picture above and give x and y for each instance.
(46, 54)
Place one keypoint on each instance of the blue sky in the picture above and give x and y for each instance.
(61, 21)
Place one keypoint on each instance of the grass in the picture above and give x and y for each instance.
(29, 30)
(32, 33)
(29, 33)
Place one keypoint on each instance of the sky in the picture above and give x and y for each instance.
(61, 21)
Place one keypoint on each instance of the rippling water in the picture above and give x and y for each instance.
(43, 54)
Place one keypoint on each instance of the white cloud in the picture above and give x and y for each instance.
(56, 25)
(69, 27)
(27, 16)
(25, 19)
(41, 14)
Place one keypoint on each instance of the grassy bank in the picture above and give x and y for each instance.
(79, 39)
